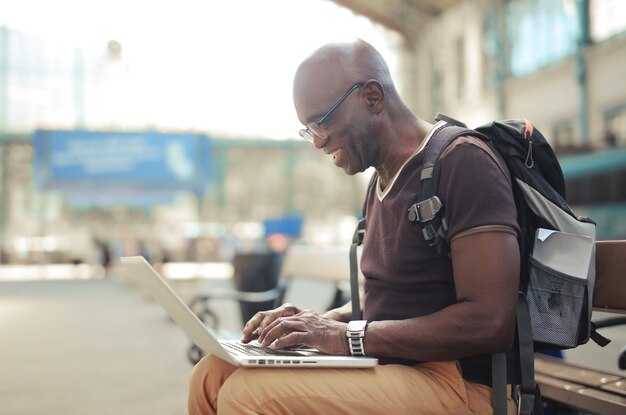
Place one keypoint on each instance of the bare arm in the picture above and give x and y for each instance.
(486, 272)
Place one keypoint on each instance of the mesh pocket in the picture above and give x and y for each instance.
(555, 302)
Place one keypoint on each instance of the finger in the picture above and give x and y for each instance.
(280, 328)
(252, 336)
(293, 314)
(258, 324)
(252, 325)
(297, 338)
(283, 311)
(263, 333)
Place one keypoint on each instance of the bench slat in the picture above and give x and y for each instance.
(606, 402)
(560, 369)
(616, 387)
(578, 396)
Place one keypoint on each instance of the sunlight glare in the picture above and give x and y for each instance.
(224, 67)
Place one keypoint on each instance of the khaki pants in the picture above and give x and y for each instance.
(429, 388)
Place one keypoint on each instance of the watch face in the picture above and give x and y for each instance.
(357, 325)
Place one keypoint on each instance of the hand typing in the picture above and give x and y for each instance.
(288, 326)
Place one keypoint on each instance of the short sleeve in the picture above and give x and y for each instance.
(475, 187)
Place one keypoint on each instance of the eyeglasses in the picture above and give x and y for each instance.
(315, 128)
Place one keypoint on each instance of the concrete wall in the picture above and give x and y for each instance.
(549, 97)
(606, 80)
(545, 98)
(437, 62)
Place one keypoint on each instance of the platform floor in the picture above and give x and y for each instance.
(88, 347)
(101, 347)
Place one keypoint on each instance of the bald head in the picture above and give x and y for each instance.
(345, 63)
(333, 68)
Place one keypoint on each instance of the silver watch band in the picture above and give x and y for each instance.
(356, 346)
(355, 334)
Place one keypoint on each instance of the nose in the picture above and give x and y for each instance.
(318, 142)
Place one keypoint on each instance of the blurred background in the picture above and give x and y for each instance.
(167, 129)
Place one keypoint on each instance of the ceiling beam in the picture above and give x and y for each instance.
(382, 13)
(403, 16)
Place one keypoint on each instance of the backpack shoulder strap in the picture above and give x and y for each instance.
(428, 211)
(357, 239)
(442, 117)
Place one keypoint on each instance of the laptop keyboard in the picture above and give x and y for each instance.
(253, 350)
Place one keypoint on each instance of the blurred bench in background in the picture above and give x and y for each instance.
(36, 272)
(324, 263)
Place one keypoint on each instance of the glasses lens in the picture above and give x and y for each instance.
(306, 134)
(317, 130)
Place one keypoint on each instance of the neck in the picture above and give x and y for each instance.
(401, 141)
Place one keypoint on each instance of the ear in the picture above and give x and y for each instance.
(374, 95)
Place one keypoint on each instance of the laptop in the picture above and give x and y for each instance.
(232, 351)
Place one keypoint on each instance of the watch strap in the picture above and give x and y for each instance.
(356, 346)
(355, 337)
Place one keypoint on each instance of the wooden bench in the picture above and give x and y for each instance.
(584, 387)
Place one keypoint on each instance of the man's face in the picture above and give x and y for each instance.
(343, 132)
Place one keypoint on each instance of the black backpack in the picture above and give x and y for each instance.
(545, 322)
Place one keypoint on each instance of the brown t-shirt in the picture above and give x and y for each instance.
(405, 278)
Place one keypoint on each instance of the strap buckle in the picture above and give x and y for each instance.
(359, 232)
(426, 210)
(358, 236)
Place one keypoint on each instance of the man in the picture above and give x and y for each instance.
(432, 320)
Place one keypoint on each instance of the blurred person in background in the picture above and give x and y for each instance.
(431, 320)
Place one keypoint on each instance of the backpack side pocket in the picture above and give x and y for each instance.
(556, 304)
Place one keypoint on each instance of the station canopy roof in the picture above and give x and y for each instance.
(405, 16)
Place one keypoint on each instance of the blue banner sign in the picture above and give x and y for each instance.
(80, 160)
(174, 159)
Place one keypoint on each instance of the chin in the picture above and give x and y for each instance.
(356, 163)
(351, 170)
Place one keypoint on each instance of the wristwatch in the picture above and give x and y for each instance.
(356, 333)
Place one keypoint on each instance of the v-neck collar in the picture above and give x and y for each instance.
(382, 193)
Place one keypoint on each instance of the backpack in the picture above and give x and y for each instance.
(554, 309)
